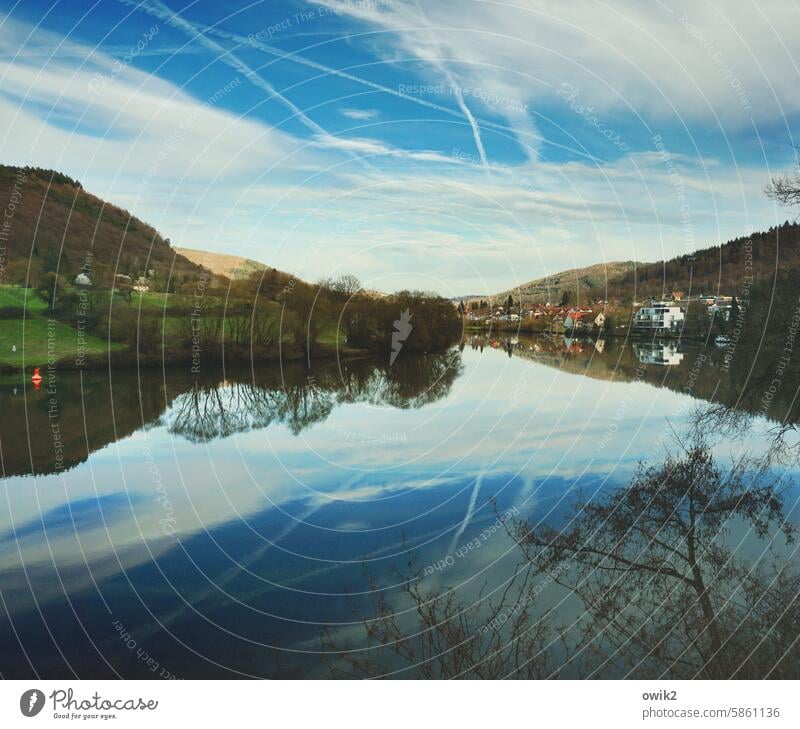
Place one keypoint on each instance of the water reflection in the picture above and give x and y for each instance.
(224, 521)
(664, 354)
(299, 398)
(687, 572)
(53, 430)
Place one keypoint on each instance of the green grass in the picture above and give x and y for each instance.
(31, 332)
(155, 300)
(16, 297)
(330, 334)
(38, 335)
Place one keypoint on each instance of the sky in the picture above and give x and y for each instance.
(458, 146)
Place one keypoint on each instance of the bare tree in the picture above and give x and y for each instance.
(347, 285)
(784, 190)
(661, 590)
(655, 587)
(437, 635)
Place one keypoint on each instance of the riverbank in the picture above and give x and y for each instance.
(196, 362)
(619, 333)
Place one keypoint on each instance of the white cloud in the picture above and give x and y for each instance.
(360, 114)
(81, 113)
(671, 60)
(237, 185)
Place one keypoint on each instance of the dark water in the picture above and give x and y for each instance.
(153, 524)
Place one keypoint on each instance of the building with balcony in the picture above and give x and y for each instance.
(658, 316)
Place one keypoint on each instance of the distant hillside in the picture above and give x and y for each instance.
(57, 225)
(718, 269)
(233, 267)
(549, 288)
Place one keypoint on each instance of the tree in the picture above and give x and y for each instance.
(651, 567)
(346, 285)
(784, 189)
(509, 302)
(566, 297)
(47, 288)
(50, 263)
(656, 589)
(303, 316)
(441, 636)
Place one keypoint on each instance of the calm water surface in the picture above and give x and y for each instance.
(154, 525)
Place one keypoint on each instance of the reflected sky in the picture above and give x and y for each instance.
(227, 555)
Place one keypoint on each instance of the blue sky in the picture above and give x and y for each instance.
(451, 145)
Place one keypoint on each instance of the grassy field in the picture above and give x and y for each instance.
(35, 336)
(16, 297)
(31, 333)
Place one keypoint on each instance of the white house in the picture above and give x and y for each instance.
(724, 310)
(657, 316)
(82, 280)
(142, 285)
(600, 320)
(664, 354)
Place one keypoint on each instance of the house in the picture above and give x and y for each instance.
(664, 354)
(600, 320)
(677, 295)
(142, 285)
(724, 310)
(82, 280)
(578, 319)
(658, 316)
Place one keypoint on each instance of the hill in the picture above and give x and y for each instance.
(720, 269)
(55, 225)
(222, 264)
(550, 288)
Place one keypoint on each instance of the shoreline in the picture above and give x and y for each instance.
(601, 333)
(125, 360)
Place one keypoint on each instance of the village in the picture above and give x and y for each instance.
(679, 315)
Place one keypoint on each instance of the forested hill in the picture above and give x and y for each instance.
(54, 224)
(549, 288)
(718, 269)
(721, 269)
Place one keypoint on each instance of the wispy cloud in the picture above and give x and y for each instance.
(360, 114)
(213, 173)
(163, 13)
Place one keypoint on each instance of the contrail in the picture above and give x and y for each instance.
(162, 12)
(476, 132)
(302, 61)
(468, 515)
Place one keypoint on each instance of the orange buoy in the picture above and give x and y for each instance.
(36, 379)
